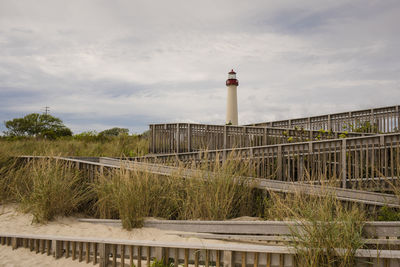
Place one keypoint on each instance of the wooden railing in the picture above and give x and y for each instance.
(188, 137)
(113, 252)
(376, 157)
(91, 171)
(382, 120)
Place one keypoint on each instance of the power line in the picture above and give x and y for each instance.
(46, 110)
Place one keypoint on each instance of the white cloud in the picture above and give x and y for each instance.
(101, 63)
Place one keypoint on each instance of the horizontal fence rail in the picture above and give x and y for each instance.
(354, 159)
(187, 137)
(376, 120)
(111, 252)
(389, 230)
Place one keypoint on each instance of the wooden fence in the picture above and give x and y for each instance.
(188, 137)
(382, 120)
(109, 252)
(376, 157)
(92, 169)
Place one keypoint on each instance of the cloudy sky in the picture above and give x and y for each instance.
(99, 63)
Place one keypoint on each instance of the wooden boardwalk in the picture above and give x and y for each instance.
(188, 137)
(381, 120)
(112, 252)
(355, 158)
(93, 169)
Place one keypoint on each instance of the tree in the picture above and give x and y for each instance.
(35, 124)
(114, 132)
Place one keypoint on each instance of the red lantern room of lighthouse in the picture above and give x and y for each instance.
(232, 79)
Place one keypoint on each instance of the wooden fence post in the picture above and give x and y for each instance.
(224, 144)
(329, 122)
(57, 248)
(265, 140)
(104, 251)
(14, 243)
(160, 255)
(279, 163)
(371, 120)
(228, 258)
(153, 138)
(177, 138)
(344, 162)
(189, 137)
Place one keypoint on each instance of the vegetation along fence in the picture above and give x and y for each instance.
(378, 120)
(109, 252)
(187, 137)
(375, 159)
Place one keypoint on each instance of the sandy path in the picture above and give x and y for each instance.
(23, 258)
(15, 222)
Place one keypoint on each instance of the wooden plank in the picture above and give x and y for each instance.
(48, 247)
(114, 255)
(94, 253)
(87, 252)
(148, 256)
(14, 243)
(131, 255)
(244, 258)
(67, 246)
(57, 247)
(256, 255)
(176, 257)
(73, 250)
(42, 246)
(139, 259)
(228, 258)
(80, 251)
(268, 259)
(104, 252)
(196, 258)
(37, 245)
(186, 259)
(123, 255)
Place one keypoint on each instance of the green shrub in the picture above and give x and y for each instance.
(387, 214)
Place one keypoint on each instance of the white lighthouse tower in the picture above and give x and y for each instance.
(231, 106)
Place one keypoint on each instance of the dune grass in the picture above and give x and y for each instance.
(329, 232)
(129, 146)
(132, 195)
(46, 188)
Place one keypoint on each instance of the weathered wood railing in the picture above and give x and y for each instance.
(371, 229)
(376, 156)
(383, 119)
(188, 137)
(108, 252)
(91, 171)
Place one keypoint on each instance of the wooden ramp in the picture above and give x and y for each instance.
(370, 198)
(119, 252)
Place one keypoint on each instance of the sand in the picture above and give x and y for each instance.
(14, 222)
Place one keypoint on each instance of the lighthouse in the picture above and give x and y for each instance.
(231, 106)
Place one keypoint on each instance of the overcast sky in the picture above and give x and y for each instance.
(101, 64)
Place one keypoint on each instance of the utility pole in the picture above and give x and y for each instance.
(46, 110)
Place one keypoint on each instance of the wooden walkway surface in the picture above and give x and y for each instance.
(381, 119)
(370, 198)
(113, 252)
